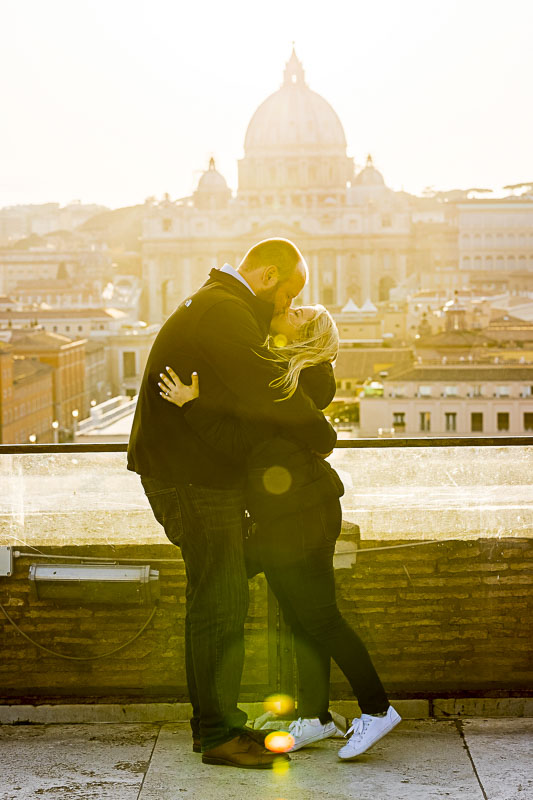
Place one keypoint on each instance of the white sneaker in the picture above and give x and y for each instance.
(366, 730)
(307, 731)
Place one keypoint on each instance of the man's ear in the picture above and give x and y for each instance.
(270, 276)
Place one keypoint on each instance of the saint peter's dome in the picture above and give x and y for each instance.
(294, 120)
(212, 191)
(369, 175)
(212, 180)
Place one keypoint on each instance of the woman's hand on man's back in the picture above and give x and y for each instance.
(176, 392)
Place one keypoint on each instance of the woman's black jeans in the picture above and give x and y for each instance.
(296, 553)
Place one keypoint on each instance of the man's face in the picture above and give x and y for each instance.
(285, 292)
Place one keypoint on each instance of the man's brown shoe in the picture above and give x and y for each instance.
(258, 736)
(244, 752)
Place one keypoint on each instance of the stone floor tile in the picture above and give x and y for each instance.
(419, 760)
(502, 751)
(85, 762)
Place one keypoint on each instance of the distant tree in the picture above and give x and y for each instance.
(121, 228)
(527, 186)
(454, 195)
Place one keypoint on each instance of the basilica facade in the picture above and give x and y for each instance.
(295, 181)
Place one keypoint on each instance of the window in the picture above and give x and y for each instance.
(166, 224)
(386, 221)
(398, 419)
(528, 421)
(476, 422)
(450, 391)
(477, 391)
(425, 421)
(424, 391)
(503, 421)
(129, 369)
(450, 418)
(503, 391)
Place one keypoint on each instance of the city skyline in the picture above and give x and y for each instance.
(112, 107)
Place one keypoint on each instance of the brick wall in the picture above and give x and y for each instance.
(440, 618)
(452, 617)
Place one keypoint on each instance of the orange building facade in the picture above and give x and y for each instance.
(67, 359)
(26, 399)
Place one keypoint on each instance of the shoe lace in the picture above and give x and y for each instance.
(296, 727)
(358, 727)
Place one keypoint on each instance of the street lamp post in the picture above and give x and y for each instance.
(55, 431)
(33, 438)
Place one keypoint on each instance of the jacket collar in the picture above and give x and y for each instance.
(262, 309)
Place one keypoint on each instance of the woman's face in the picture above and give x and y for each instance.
(286, 327)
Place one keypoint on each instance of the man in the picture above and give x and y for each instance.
(196, 494)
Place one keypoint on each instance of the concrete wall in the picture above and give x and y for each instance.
(438, 618)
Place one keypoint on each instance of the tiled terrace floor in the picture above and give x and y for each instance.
(475, 759)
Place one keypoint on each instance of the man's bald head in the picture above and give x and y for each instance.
(276, 271)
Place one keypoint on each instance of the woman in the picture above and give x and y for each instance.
(292, 496)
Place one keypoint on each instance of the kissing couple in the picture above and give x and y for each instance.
(229, 420)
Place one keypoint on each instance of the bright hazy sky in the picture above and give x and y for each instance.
(112, 101)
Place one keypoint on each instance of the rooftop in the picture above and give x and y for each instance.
(368, 361)
(62, 313)
(459, 372)
(43, 340)
(25, 369)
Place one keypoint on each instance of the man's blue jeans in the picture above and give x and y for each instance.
(207, 525)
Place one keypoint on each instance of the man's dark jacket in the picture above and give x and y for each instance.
(218, 332)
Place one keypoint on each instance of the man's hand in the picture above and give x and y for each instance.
(176, 392)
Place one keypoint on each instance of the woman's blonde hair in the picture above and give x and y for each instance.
(318, 341)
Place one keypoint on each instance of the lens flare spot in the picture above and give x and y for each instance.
(277, 480)
(280, 767)
(279, 741)
(279, 704)
(280, 340)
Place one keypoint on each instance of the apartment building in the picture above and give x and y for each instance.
(67, 359)
(26, 398)
(452, 400)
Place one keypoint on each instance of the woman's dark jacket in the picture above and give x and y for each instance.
(283, 476)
